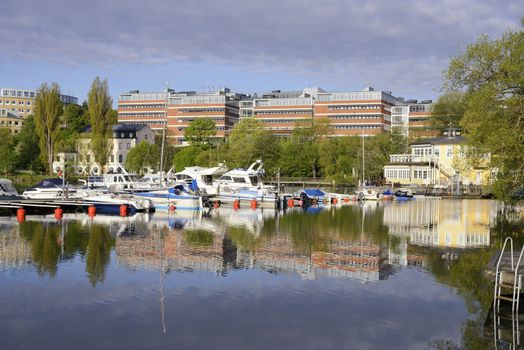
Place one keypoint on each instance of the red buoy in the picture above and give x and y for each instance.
(216, 204)
(123, 210)
(335, 201)
(290, 203)
(346, 199)
(236, 204)
(91, 211)
(172, 207)
(59, 212)
(20, 214)
(253, 204)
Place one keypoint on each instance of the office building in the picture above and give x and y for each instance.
(23, 101)
(11, 120)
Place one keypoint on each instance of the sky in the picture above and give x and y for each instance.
(248, 46)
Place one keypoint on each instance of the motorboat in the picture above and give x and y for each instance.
(312, 196)
(204, 177)
(120, 182)
(404, 194)
(110, 203)
(179, 197)
(8, 190)
(51, 189)
(369, 194)
(247, 184)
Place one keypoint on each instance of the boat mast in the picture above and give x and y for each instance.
(363, 159)
(163, 138)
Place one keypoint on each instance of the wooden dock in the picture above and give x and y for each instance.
(505, 263)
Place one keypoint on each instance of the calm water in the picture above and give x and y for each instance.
(373, 276)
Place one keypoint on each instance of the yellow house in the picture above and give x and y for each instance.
(438, 161)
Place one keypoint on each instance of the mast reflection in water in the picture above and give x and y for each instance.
(320, 277)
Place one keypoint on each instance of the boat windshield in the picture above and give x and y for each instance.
(131, 178)
(254, 180)
(7, 187)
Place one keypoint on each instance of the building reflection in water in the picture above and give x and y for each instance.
(253, 239)
(361, 242)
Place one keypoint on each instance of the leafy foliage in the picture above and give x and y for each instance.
(7, 149)
(490, 74)
(200, 131)
(144, 155)
(47, 112)
(101, 117)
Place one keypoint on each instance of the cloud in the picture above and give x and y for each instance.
(396, 45)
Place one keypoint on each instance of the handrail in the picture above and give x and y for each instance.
(502, 253)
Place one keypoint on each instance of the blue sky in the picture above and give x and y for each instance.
(249, 46)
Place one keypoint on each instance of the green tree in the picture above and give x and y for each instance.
(74, 119)
(448, 110)
(200, 131)
(101, 117)
(249, 141)
(28, 147)
(489, 72)
(47, 112)
(7, 149)
(143, 155)
(186, 156)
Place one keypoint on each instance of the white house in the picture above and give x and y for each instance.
(125, 137)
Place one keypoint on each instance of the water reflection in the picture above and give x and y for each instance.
(367, 242)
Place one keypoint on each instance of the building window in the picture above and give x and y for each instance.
(128, 145)
(450, 151)
(120, 158)
(112, 158)
(122, 135)
(120, 145)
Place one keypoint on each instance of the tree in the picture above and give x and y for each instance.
(200, 131)
(249, 141)
(74, 119)
(99, 105)
(7, 149)
(27, 147)
(143, 155)
(448, 110)
(489, 73)
(47, 112)
(186, 156)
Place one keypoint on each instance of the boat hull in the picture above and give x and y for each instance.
(163, 200)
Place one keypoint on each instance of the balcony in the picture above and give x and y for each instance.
(410, 158)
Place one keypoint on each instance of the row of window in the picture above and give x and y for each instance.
(203, 110)
(143, 114)
(285, 111)
(397, 174)
(9, 122)
(18, 93)
(339, 107)
(189, 120)
(7, 102)
(420, 174)
(355, 116)
(144, 106)
(346, 127)
(280, 121)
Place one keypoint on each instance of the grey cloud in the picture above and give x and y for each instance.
(394, 44)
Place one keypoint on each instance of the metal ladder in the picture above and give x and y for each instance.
(508, 280)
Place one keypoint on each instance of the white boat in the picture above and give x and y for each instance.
(241, 184)
(51, 189)
(8, 191)
(177, 197)
(369, 194)
(120, 182)
(204, 177)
